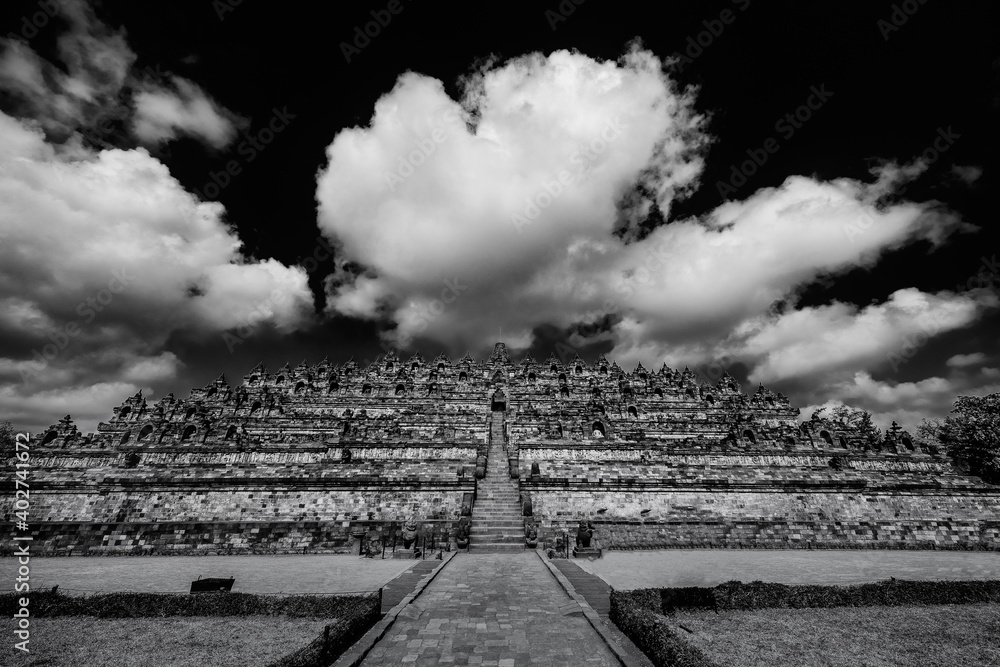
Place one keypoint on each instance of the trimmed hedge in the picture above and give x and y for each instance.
(640, 613)
(636, 613)
(336, 638)
(144, 605)
(894, 592)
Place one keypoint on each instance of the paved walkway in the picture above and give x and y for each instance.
(499, 610)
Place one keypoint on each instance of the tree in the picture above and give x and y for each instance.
(971, 434)
(853, 419)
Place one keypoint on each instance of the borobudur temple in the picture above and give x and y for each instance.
(321, 458)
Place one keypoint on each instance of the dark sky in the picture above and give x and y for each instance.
(887, 84)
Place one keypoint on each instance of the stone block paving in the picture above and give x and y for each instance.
(501, 610)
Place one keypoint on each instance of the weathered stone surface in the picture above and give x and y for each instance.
(314, 457)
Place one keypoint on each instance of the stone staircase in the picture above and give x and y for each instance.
(497, 525)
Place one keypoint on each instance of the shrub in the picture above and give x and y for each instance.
(687, 598)
(636, 614)
(640, 613)
(336, 638)
(760, 595)
(140, 605)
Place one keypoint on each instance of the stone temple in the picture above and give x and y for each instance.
(333, 457)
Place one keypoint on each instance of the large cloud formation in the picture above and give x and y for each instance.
(518, 206)
(510, 193)
(104, 255)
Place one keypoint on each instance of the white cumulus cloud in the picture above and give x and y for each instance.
(164, 111)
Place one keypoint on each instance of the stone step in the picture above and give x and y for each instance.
(497, 538)
(499, 524)
(496, 548)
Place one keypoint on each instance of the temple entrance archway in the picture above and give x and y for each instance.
(499, 401)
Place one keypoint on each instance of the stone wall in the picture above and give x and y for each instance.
(224, 538)
(129, 506)
(805, 519)
(305, 457)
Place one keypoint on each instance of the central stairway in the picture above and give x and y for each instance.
(497, 526)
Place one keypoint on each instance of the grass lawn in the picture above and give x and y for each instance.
(192, 641)
(928, 636)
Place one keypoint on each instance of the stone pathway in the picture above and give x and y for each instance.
(502, 610)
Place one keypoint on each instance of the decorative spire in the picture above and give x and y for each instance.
(499, 355)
